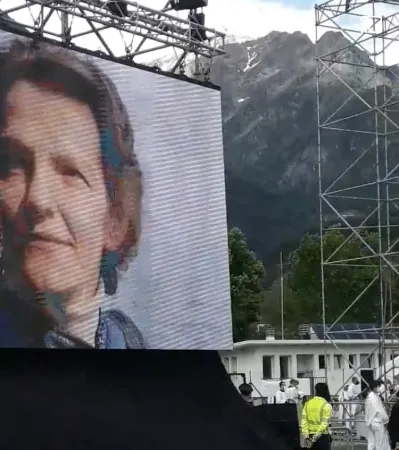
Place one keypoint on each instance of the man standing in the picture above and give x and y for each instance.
(293, 393)
(376, 418)
(281, 396)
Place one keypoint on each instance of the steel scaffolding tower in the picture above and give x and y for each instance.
(144, 35)
(358, 65)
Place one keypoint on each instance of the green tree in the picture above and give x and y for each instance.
(270, 309)
(246, 275)
(352, 273)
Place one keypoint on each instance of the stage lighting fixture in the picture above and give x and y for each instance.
(197, 20)
(117, 8)
(181, 5)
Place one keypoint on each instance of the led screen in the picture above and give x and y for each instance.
(113, 220)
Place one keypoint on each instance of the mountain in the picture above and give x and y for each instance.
(270, 133)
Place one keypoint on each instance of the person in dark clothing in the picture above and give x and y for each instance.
(393, 424)
(70, 195)
(246, 392)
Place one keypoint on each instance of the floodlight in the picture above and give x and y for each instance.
(188, 5)
(117, 8)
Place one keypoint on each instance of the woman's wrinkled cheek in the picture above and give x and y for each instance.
(13, 216)
(12, 195)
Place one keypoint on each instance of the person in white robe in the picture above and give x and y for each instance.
(281, 396)
(343, 413)
(376, 420)
(293, 392)
(354, 392)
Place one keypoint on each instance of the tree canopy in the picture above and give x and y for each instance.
(246, 275)
(353, 273)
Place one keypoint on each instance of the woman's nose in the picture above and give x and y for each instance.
(41, 192)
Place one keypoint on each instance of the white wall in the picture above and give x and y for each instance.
(250, 361)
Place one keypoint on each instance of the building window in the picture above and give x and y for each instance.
(351, 359)
(365, 361)
(226, 362)
(337, 362)
(233, 364)
(322, 362)
(267, 367)
(284, 367)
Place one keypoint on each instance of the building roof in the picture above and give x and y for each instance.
(302, 342)
(341, 334)
(344, 331)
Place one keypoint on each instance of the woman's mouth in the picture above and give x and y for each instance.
(50, 238)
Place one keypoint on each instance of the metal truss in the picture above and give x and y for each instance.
(359, 67)
(145, 36)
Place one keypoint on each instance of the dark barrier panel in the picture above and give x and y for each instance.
(124, 400)
(283, 419)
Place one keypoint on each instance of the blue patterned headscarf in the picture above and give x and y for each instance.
(117, 152)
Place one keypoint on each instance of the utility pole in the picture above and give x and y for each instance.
(282, 294)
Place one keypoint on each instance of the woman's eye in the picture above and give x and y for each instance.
(73, 173)
(70, 172)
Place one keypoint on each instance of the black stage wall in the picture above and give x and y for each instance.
(120, 400)
(283, 420)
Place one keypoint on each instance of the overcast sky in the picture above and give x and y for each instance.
(250, 18)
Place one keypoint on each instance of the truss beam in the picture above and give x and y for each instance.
(145, 35)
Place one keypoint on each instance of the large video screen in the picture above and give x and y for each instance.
(112, 196)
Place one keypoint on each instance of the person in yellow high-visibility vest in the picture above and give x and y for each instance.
(316, 416)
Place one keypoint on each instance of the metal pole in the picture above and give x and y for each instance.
(380, 200)
(319, 167)
(282, 294)
(382, 361)
(65, 27)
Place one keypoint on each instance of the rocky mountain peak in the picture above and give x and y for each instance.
(331, 40)
(270, 132)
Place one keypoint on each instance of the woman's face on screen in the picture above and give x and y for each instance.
(52, 190)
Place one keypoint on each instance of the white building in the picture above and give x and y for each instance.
(266, 362)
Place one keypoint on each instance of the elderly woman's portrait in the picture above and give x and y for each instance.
(70, 197)
(113, 227)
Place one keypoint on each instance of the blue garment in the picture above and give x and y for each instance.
(23, 325)
(115, 331)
